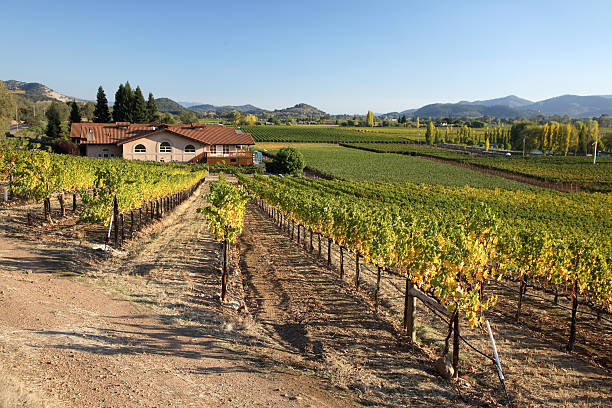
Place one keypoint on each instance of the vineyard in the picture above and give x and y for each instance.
(106, 187)
(449, 247)
(330, 134)
(554, 169)
(352, 164)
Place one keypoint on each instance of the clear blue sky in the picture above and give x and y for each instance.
(341, 56)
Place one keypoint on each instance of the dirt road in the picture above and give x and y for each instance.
(141, 331)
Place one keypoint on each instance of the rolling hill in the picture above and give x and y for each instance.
(168, 105)
(35, 91)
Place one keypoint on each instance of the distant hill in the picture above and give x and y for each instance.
(511, 101)
(35, 91)
(168, 105)
(436, 110)
(300, 110)
(574, 106)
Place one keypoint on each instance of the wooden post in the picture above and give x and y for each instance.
(60, 198)
(74, 202)
(377, 291)
(357, 269)
(329, 244)
(122, 228)
(319, 254)
(116, 219)
(47, 205)
(140, 218)
(292, 229)
(224, 275)
(298, 233)
(572, 339)
(29, 219)
(341, 262)
(131, 224)
(409, 311)
(456, 345)
(311, 246)
(522, 290)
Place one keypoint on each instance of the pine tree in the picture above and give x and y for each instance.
(101, 113)
(53, 121)
(152, 114)
(75, 116)
(370, 118)
(139, 108)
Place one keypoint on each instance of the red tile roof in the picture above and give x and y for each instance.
(120, 133)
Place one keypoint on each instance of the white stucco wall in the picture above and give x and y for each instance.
(152, 144)
(104, 151)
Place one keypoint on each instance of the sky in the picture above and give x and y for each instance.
(340, 56)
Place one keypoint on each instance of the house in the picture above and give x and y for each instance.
(195, 142)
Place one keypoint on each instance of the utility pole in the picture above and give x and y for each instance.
(595, 152)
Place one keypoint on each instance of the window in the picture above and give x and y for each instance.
(189, 149)
(140, 149)
(213, 149)
(165, 148)
(225, 149)
(105, 152)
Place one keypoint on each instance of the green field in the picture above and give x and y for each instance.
(345, 134)
(554, 169)
(359, 165)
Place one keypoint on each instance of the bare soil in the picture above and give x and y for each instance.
(143, 329)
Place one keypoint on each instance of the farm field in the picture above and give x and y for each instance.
(352, 164)
(556, 169)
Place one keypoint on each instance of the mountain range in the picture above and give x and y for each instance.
(510, 106)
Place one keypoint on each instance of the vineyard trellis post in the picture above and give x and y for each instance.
(572, 339)
(122, 228)
(341, 262)
(224, 273)
(377, 291)
(522, 291)
(116, 218)
(409, 310)
(357, 269)
(329, 244)
(131, 224)
(60, 199)
(456, 335)
(74, 201)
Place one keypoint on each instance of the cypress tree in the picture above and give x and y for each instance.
(101, 113)
(139, 108)
(54, 124)
(119, 109)
(152, 114)
(75, 116)
(129, 102)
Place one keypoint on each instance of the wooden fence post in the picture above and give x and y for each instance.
(131, 224)
(341, 262)
(329, 244)
(409, 311)
(74, 202)
(377, 291)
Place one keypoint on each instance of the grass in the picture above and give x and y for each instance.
(359, 165)
(555, 169)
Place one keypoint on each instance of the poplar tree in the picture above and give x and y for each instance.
(75, 116)
(139, 108)
(152, 114)
(370, 118)
(430, 133)
(101, 113)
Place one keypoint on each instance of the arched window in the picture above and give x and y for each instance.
(189, 149)
(165, 147)
(140, 148)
